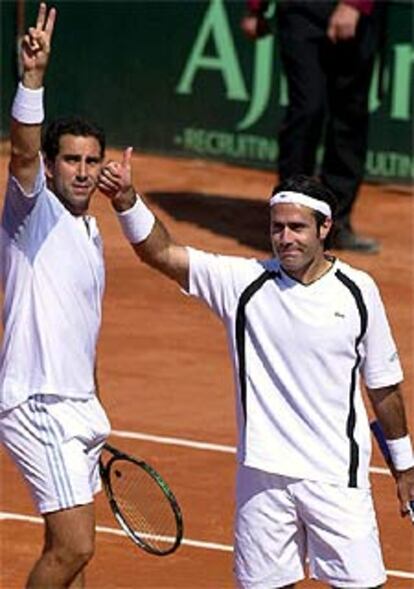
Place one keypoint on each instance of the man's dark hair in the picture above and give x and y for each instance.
(315, 189)
(69, 126)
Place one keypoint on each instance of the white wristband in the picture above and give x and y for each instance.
(137, 222)
(401, 453)
(28, 105)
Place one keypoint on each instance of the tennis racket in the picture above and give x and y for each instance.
(142, 502)
(382, 444)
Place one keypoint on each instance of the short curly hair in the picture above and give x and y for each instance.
(76, 126)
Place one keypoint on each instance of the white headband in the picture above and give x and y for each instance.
(298, 198)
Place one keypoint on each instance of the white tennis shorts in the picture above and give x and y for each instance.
(56, 443)
(281, 522)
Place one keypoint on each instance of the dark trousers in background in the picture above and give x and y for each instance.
(328, 89)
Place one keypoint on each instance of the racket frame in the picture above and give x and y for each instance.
(105, 468)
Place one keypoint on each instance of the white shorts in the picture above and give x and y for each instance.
(281, 522)
(56, 443)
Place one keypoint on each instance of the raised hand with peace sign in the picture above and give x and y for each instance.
(27, 110)
(36, 46)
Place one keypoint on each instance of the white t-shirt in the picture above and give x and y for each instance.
(298, 352)
(53, 277)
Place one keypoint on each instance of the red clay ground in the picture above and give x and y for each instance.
(164, 370)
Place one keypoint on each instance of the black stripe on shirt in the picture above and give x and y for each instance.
(241, 328)
(351, 420)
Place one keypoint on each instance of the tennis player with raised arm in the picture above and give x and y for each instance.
(52, 271)
(304, 328)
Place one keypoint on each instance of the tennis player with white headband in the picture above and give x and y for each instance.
(298, 198)
(303, 327)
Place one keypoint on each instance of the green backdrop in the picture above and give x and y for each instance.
(179, 78)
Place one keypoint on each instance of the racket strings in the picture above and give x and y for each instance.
(144, 506)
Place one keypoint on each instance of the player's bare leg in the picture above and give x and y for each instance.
(69, 546)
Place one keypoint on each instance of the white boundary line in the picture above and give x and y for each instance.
(200, 445)
(173, 441)
(6, 516)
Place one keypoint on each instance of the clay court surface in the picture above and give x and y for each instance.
(164, 372)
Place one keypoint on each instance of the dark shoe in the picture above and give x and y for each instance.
(348, 240)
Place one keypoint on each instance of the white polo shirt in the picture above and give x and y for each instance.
(298, 352)
(52, 274)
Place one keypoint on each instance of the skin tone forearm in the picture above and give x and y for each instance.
(389, 409)
(160, 252)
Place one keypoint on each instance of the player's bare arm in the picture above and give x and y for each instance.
(388, 405)
(25, 138)
(157, 248)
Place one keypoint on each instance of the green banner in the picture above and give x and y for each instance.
(179, 78)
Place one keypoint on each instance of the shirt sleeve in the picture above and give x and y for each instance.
(218, 280)
(381, 365)
(364, 6)
(17, 191)
(18, 204)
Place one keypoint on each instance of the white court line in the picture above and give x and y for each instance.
(6, 516)
(200, 445)
(173, 441)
